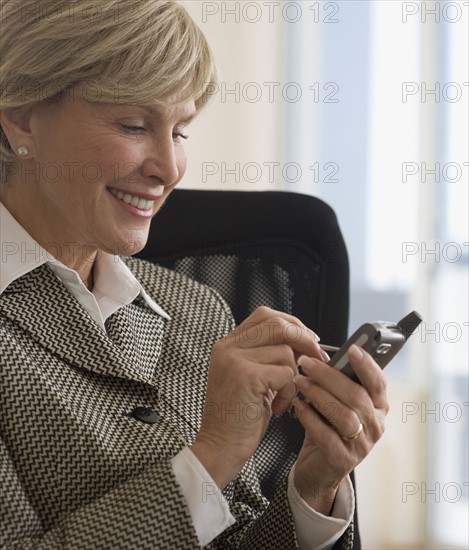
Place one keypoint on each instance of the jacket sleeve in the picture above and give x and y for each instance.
(145, 512)
(261, 524)
(148, 511)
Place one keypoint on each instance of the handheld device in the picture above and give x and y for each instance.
(382, 340)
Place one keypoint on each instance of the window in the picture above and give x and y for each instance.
(398, 137)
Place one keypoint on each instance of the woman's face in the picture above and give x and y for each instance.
(101, 171)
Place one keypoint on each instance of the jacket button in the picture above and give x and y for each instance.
(145, 415)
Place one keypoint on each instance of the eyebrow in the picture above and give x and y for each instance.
(154, 110)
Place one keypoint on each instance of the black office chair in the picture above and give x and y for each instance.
(279, 249)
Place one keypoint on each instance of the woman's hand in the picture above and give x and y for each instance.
(355, 422)
(251, 375)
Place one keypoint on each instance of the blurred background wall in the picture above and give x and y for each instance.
(365, 105)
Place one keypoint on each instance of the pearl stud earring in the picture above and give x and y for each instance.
(23, 151)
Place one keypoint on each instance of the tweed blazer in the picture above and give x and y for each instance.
(77, 470)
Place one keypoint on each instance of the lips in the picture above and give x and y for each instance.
(134, 200)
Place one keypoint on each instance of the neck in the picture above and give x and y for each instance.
(67, 250)
(80, 259)
(89, 282)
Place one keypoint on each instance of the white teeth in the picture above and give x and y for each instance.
(142, 204)
(137, 202)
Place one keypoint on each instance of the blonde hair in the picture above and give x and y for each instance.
(118, 51)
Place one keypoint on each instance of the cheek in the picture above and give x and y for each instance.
(116, 157)
(181, 162)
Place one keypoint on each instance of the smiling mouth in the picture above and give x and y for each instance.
(136, 202)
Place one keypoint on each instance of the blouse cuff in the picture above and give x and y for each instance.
(315, 530)
(209, 510)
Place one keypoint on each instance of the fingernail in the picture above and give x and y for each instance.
(271, 395)
(302, 383)
(267, 401)
(293, 410)
(311, 364)
(325, 356)
(301, 359)
(355, 352)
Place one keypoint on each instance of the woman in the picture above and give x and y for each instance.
(119, 378)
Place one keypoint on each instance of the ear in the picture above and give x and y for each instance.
(16, 125)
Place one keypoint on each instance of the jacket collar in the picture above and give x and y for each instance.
(114, 283)
(46, 311)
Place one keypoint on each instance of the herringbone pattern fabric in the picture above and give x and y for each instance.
(76, 470)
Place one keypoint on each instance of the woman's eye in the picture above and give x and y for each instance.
(178, 135)
(133, 129)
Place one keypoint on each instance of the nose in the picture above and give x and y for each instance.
(165, 162)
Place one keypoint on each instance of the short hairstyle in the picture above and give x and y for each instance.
(120, 51)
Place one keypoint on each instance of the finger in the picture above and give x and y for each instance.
(281, 354)
(279, 324)
(341, 417)
(283, 400)
(370, 375)
(351, 394)
(264, 313)
(341, 455)
(336, 383)
(326, 437)
(277, 331)
(274, 383)
(279, 380)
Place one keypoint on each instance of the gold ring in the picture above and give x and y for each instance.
(354, 435)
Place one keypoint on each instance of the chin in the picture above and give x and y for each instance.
(132, 248)
(128, 246)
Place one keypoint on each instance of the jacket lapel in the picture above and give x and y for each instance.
(41, 305)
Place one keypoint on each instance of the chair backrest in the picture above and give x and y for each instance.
(279, 249)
